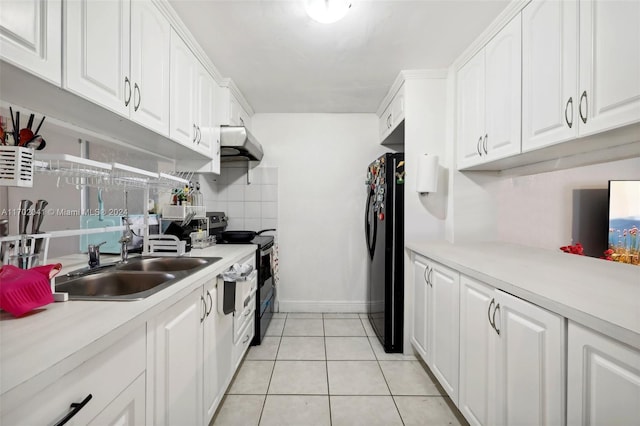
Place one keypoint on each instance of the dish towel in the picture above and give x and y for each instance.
(275, 269)
(22, 290)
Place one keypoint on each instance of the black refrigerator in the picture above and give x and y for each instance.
(384, 229)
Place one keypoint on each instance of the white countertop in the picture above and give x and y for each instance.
(602, 295)
(47, 343)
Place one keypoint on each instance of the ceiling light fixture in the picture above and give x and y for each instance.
(327, 11)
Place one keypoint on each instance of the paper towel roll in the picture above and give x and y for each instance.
(427, 179)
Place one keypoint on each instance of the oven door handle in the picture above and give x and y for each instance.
(266, 252)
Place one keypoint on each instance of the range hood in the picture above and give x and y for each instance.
(236, 143)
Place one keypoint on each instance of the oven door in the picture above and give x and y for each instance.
(265, 283)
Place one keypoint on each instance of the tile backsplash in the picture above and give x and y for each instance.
(249, 206)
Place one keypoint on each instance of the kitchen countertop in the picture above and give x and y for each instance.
(40, 347)
(604, 296)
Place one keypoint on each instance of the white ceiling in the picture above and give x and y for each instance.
(283, 61)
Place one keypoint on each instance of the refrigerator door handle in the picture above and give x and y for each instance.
(371, 242)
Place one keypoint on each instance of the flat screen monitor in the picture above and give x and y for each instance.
(624, 221)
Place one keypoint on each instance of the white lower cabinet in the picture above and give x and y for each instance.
(218, 363)
(111, 383)
(476, 353)
(195, 354)
(603, 385)
(511, 359)
(127, 409)
(177, 353)
(436, 320)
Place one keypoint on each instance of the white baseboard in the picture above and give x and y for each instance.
(311, 306)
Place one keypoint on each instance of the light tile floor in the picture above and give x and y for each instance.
(330, 369)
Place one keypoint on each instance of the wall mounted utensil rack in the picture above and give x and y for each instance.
(82, 172)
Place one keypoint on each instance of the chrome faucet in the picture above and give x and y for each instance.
(94, 254)
(124, 241)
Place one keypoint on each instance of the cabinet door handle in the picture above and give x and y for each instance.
(248, 313)
(245, 339)
(199, 135)
(494, 319)
(430, 272)
(241, 121)
(489, 313)
(484, 144)
(75, 408)
(136, 88)
(478, 146)
(195, 133)
(127, 86)
(426, 275)
(569, 102)
(210, 302)
(204, 310)
(586, 107)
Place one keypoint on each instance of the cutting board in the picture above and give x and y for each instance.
(91, 222)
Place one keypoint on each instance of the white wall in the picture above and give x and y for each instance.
(537, 210)
(250, 204)
(321, 161)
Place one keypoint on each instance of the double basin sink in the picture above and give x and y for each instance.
(134, 280)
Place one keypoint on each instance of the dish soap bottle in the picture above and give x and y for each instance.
(197, 198)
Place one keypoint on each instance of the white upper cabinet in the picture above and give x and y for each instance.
(503, 76)
(471, 111)
(392, 115)
(31, 36)
(97, 52)
(117, 55)
(609, 65)
(204, 96)
(237, 114)
(489, 100)
(192, 99)
(150, 49)
(183, 64)
(549, 77)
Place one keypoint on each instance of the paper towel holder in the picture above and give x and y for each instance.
(428, 171)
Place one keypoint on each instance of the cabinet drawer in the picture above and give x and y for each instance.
(104, 376)
(241, 317)
(246, 335)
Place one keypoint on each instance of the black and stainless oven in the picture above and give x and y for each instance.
(266, 292)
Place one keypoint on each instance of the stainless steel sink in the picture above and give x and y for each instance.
(140, 277)
(166, 264)
(116, 285)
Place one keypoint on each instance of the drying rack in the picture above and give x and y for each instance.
(82, 172)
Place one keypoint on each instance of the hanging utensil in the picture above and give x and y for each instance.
(100, 206)
(39, 125)
(36, 143)
(25, 136)
(16, 129)
(13, 123)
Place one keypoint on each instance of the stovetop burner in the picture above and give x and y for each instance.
(262, 241)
